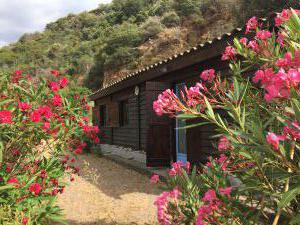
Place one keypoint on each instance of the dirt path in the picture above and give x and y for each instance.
(109, 194)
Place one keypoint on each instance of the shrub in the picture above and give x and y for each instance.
(255, 179)
(151, 28)
(185, 7)
(42, 123)
(170, 19)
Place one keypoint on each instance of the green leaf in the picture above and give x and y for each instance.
(186, 116)
(288, 197)
(193, 125)
(295, 220)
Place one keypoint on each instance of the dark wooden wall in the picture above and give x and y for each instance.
(135, 134)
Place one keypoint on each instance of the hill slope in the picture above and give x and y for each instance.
(120, 37)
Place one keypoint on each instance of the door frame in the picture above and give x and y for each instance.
(179, 155)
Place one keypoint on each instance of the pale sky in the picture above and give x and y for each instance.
(25, 16)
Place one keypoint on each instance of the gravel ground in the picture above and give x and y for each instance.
(106, 193)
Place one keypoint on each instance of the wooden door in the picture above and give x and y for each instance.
(158, 148)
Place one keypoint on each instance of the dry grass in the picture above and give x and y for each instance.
(109, 194)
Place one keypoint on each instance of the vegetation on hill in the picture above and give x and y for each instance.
(122, 36)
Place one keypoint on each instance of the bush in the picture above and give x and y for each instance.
(255, 179)
(170, 19)
(42, 123)
(151, 28)
(186, 7)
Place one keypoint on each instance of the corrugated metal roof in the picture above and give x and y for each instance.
(169, 59)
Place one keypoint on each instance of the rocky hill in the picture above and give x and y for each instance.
(120, 37)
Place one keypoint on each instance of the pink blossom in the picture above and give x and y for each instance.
(166, 103)
(14, 180)
(35, 188)
(274, 139)
(5, 117)
(46, 126)
(223, 144)
(229, 53)
(251, 24)
(56, 100)
(208, 75)
(23, 106)
(210, 196)
(55, 72)
(172, 172)
(35, 116)
(253, 45)
(283, 62)
(63, 82)
(280, 39)
(154, 179)
(188, 166)
(45, 111)
(54, 86)
(225, 191)
(244, 41)
(263, 34)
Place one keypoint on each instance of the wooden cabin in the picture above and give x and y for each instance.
(124, 113)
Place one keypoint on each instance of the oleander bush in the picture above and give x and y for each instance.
(42, 124)
(256, 177)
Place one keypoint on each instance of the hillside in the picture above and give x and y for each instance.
(117, 38)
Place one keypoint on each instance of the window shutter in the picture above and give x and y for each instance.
(113, 114)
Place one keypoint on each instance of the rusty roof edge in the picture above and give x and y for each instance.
(97, 94)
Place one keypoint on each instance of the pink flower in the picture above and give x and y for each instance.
(251, 24)
(229, 53)
(188, 167)
(35, 116)
(54, 86)
(23, 106)
(225, 191)
(166, 103)
(263, 34)
(280, 39)
(210, 196)
(55, 72)
(35, 188)
(43, 174)
(254, 46)
(5, 117)
(18, 72)
(244, 41)
(274, 139)
(57, 100)
(172, 172)
(208, 75)
(46, 126)
(224, 144)
(15, 181)
(154, 179)
(63, 82)
(25, 221)
(45, 111)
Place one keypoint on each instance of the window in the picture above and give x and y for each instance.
(103, 116)
(124, 113)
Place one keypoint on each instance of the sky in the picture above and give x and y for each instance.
(26, 16)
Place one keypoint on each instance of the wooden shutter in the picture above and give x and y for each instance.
(159, 132)
(113, 114)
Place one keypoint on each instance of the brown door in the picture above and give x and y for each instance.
(158, 148)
